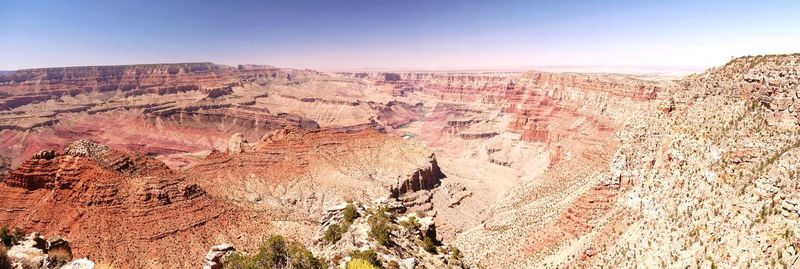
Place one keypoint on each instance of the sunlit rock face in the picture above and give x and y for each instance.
(517, 170)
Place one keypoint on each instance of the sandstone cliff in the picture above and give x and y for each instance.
(709, 161)
(117, 207)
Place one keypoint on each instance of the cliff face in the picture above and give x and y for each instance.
(161, 102)
(119, 207)
(36, 85)
(133, 211)
(708, 161)
(300, 173)
(566, 169)
(510, 130)
(722, 159)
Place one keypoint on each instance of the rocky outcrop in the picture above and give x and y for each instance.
(115, 206)
(36, 252)
(397, 114)
(213, 259)
(425, 178)
(709, 159)
(36, 85)
(406, 232)
(300, 172)
(171, 99)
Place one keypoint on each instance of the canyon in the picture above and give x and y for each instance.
(149, 166)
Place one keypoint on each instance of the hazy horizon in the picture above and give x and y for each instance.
(415, 35)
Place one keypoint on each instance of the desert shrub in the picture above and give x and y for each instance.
(238, 260)
(276, 252)
(428, 245)
(19, 234)
(411, 223)
(455, 254)
(300, 257)
(359, 264)
(350, 213)
(5, 236)
(58, 257)
(10, 238)
(379, 227)
(332, 234)
(368, 256)
(5, 262)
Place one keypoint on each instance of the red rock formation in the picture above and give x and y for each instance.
(360, 164)
(160, 102)
(396, 114)
(117, 207)
(35, 85)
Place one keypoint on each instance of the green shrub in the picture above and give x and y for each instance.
(332, 234)
(411, 223)
(238, 260)
(19, 234)
(379, 227)
(455, 254)
(350, 213)
(5, 236)
(275, 253)
(300, 257)
(367, 255)
(359, 264)
(429, 245)
(11, 238)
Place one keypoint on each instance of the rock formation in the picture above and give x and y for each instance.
(711, 168)
(406, 234)
(519, 170)
(118, 207)
(299, 172)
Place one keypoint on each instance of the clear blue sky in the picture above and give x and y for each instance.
(330, 34)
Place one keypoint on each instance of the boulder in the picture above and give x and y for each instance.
(213, 259)
(236, 144)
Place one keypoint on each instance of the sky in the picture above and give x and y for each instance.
(408, 34)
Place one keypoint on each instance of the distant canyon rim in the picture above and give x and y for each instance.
(151, 165)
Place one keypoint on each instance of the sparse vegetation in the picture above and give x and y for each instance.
(332, 234)
(410, 224)
(350, 213)
(379, 227)
(10, 238)
(58, 257)
(455, 254)
(429, 245)
(367, 255)
(277, 252)
(359, 264)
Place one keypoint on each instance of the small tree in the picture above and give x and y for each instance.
(276, 252)
(379, 227)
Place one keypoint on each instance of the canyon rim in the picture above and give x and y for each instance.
(333, 134)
